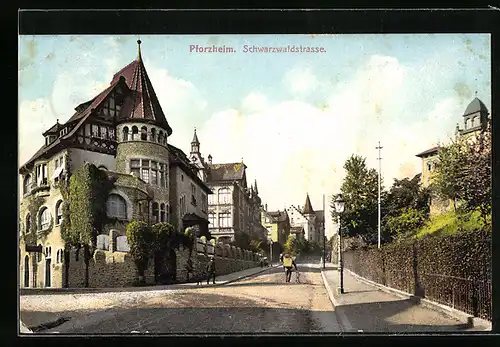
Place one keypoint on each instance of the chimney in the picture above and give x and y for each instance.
(210, 159)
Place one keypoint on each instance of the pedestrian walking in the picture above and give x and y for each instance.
(189, 268)
(288, 264)
(211, 270)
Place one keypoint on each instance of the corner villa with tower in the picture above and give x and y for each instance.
(475, 118)
(124, 131)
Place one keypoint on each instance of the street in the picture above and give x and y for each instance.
(260, 304)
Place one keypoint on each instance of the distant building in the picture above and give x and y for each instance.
(475, 120)
(277, 225)
(233, 208)
(311, 221)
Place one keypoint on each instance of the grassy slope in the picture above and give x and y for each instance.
(449, 223)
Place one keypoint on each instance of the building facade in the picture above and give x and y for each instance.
(233, 207)
(123, 131)
(311, 221)
(475, 120)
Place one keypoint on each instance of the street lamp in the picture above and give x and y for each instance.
(339, 208)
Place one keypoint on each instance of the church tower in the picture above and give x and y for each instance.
(310, 222)
(196, 158)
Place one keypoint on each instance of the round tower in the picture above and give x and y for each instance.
(142, 131)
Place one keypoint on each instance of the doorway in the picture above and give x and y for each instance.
(26, 271)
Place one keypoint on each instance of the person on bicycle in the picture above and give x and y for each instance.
(288, 265)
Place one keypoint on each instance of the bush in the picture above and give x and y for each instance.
(141, 241)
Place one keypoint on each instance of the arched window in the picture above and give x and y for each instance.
(27, 184)
(28, 224)
(168, 209)
(224, 196)
(144, 134)
(152, 135)
(39, 255)
(116, 206)
(162, 213)
(160, 137)
(156, 218)
(59, 214)
(125, 134)
(475, 121)
(468, 124)
(44, 218)
(135, 133)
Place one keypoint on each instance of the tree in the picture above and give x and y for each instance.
(406, 200)
(360, 193)
(140, 238)
(449, 174)
(292, 246)
(407, 221)
(476, 186)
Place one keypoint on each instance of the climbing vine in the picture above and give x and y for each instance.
(31, 236)
(88, 191)
(140, 237)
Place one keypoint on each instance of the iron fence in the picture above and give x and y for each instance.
(465, 294)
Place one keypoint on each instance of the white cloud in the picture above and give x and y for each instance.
(254, 102)
(301, 81)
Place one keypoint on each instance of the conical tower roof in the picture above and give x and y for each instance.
(307, 206)
(144, 104)
(195, 138)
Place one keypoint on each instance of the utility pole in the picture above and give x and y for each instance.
(379, 168)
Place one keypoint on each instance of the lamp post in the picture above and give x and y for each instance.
(324, 233)
(339, 208)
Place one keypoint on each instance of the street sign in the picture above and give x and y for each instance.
(37, 249)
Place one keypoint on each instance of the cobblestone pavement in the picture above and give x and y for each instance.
(264, 303)
(370, 309)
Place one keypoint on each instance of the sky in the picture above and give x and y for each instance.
(294, 118)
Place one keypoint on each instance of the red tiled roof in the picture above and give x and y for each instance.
(143, 103)
(227, 172)
(429, 151)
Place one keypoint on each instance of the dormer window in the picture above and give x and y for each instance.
(63, 132)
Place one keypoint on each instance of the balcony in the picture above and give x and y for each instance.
(41, 186)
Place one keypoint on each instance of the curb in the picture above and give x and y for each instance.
(465, 318)
(344, 323)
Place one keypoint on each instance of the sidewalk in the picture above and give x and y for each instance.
(40, 320)
(366, 308)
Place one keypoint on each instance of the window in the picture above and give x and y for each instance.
(57, 163)
(125, 134)
(212, 198)
(111, 133)
(225, 220)
(135, 165)
(144, 134)
(156, 217)
(152, 135)
(95, 130)
(44, 218)
(224, 195)
(59, 256)
(149, 171)
(182, 204)
(162, 213)
(135, 133)
(429, 166)
(41, 174)
(193, 194)
(116, 206)
(48, 252)
(167, 213)
(211, 220)
(28, 223)
(59, 215)
(203, 202)
(27, 184)
(182, 178)
(160, 137)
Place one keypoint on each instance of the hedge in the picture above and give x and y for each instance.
(454, 270)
